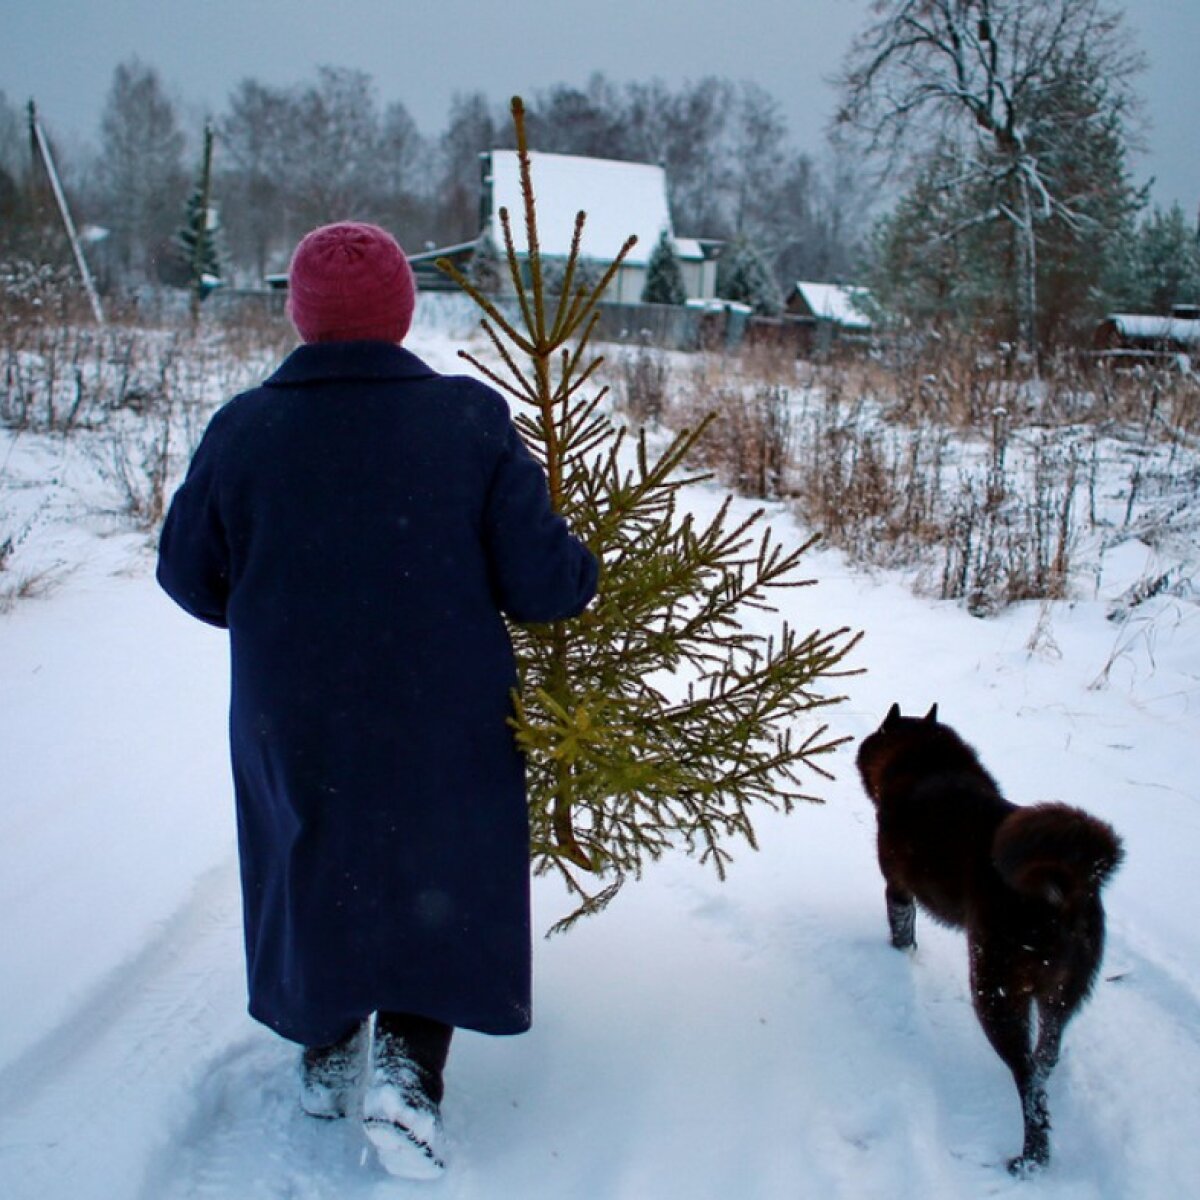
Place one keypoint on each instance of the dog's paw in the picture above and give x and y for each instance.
(902, 923)
(1025, 1166)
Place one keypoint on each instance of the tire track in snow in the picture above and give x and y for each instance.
(160, 1088)
(1126, 1096)
(912, 1084)
(247, 1138)
(83, 1108)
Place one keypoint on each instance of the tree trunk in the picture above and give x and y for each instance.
(1026, 260)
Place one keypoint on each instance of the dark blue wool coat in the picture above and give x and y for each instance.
(360, 523)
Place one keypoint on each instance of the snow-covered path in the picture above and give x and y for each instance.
(757, 1039)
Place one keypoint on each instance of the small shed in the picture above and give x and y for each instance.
(1145, 338)
(429, 276)
(841, 305)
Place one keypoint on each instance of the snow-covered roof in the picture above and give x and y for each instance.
(620, 198)
(718, 305)
(431, 254)
(835, 302)
(1177, 330)
(689, 249)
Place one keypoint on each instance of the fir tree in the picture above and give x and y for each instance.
(1165, 267)
(587, 273)
(744, 277)
(655, 720)
(664, 279)
(196, 240)
(1079, 140)
(925, 263)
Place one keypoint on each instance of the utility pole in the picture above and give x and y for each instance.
(41, 148)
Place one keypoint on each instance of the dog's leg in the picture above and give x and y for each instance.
(1005, 1018)
(902, 918)
(1052, 1020)
(1036, 1111)
(1034, 1104)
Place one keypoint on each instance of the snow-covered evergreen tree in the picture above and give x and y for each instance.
(1165, 266)
(196, 240)
(586, 273)
(484, 270)
(664, 279)
(930, 263)
(657, 719)
(742, 275)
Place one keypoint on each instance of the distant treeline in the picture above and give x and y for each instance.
(288, 158)
(1012, 210)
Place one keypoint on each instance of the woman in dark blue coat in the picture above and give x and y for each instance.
(360, 524)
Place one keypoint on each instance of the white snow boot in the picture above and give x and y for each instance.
(401, 1119)
(331, 1076)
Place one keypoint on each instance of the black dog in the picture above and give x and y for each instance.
(1023, 882)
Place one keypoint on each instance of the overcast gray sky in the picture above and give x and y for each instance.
(62, 53)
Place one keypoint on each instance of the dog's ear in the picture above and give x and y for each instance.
(931, 715)
(893, 717)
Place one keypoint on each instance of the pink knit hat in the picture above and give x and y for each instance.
(350, 281)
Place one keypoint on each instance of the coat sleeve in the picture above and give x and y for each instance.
(193, 554)
(541, 571)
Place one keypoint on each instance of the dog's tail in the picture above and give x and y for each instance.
(1055, 852)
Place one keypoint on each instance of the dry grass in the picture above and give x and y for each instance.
(28, 586)
(949, 462)
(944, 460)
(135, 398)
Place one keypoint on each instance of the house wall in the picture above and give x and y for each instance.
(699, 282)
(699, 279)
(627, 287)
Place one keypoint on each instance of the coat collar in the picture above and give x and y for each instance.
(325, 362)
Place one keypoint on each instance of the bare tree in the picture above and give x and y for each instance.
(304, 155)
(403, 184)
(980, 73)
(141, 167)
(14, 141)
(589, 122)
(471, 131)
(254, 152)
(698, 169)
(335, 142)
(759, 142)
(14, 155)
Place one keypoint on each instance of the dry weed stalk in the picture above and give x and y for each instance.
(949, 460)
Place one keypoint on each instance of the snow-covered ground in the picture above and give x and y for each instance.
(753, 1039)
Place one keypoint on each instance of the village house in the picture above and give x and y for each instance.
(834, 303)
(825, 313)
(620, 199)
